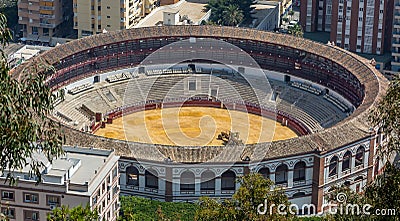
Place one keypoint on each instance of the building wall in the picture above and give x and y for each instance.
(106, 192)
(41, 17)
(92, 17)
(396, 37)
(271, 21)
(105, 195)
(42, 191)
(312, 189)
(358, 25)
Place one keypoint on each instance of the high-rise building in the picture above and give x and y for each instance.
(396, 38)
(363, 26)
(96, 16)
(41, 19)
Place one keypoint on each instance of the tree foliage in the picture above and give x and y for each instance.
(386, 117)
(296, 30)
(78, 213)
(140, 209)
(24, 106)
(230, 12)
(254, 190)
(230, 138)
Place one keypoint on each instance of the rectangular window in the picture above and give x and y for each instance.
(53, 200)
(31, 215)
(31, 198)
(9, 212)
(7, 195)
(114, 172)
(192, 85)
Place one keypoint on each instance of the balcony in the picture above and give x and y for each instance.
(298, 183)
(34, 16)
(333, 177)
(45, 25)
(33, 7)
(47, 16)
(23, 14)
(23, 5)
(47, 7)
(24, 21)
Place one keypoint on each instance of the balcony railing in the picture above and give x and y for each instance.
(47, 16)
(153, 190)
(47, 7)
(45, 25)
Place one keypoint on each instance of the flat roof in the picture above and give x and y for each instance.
(89, 163)
(194, 11)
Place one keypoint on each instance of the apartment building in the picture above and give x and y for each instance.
(363, 26)
(396, 38)
(95, 16)
(41, 19)
(81, 177)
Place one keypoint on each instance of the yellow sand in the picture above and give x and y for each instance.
(193, 126)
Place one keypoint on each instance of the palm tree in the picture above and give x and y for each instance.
(232, 15)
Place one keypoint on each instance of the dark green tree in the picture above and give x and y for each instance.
(229, 12)
(232, 15)
(78, 213)
(25, 103)
(386, 117)
(384, 193)
(246, 6)
(296, 30)
(140, 209)
(254, 191)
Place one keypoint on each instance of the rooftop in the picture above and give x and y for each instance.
(193, 10)
(80, 166)
(263, 9)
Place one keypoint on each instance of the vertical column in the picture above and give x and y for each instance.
(197, 185)
(339, 168)
(168, 184)
(175, 187)
(161, 185)
(218, 186)
(290, 178)
(142, 182)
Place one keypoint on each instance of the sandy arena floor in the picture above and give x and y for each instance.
(193, 126)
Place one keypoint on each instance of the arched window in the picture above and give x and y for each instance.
(132, 176)
(207, 182)
(228, 179)
(333, 166)
(346, 161)
(187, 182)
(264, 172)
(151, 179)
(360, 156)
(299, 172)
(281, 174)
